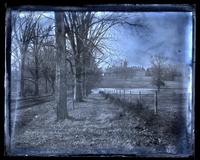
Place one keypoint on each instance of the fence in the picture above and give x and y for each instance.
(148, 99)
(163, 101)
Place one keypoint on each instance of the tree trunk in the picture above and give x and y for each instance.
(61, 70)
(84, 83)
(36, 93)
(84, 75)
(78, 83)
(36, 76)
(53, 87)
(46, 86)
(22, 89)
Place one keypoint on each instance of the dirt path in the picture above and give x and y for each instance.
(104, 128)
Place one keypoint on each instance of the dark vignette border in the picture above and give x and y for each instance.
(95, 7)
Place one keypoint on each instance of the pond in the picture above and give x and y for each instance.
(127, 90)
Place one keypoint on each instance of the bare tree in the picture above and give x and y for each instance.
(61, 67)
(158, 65)
(48, 65)
(23, 28)
(39, 35)
(85, 34)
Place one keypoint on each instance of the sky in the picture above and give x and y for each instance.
(169, 34)
(166, 33)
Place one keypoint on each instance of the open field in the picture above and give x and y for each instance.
(173, 97)
(138, 82)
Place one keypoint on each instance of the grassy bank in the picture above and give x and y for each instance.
(166, 129)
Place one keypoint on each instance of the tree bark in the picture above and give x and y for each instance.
(53, 87)
(46, 86)
(36, 75)
(78, 82)
(22, 68)
(84, 73)
(84, 83)
(61, 70)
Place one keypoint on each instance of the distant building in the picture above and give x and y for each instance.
(124, 71)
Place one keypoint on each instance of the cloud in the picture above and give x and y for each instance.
(169, 34)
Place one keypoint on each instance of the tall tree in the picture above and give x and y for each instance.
(39, 35)
(158, 64)
(23, 28)
(48, 65)
(61, 67)
(85, 33)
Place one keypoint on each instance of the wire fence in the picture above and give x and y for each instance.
(158, 101)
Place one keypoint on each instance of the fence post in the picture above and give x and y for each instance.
(130, 97)
(156, 102)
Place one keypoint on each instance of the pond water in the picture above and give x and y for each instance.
(138, 90)
(127, 90)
